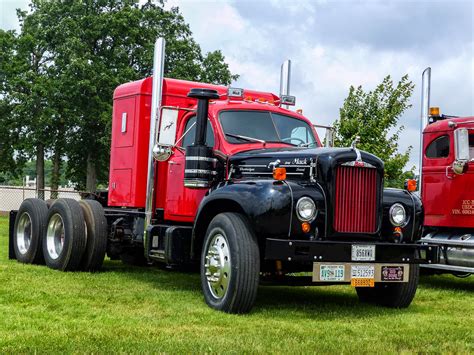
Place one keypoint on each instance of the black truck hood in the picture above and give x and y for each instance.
(299, 162)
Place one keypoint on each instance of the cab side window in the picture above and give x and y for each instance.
(439, 148)
(189, 137)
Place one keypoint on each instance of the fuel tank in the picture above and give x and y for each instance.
(458, 247)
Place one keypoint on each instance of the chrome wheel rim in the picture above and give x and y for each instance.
(55, 236)
(217, 266)
(23, 233)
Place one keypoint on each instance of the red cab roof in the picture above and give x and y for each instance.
(443, 125)
(180, 88)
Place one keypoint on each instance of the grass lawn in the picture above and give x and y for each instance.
(124, 309)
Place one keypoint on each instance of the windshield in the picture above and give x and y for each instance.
(254, 126)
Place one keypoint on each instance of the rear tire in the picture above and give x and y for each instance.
(230, 264)
(392, 295)
(65, 239)
(29, 231)
(96, 226)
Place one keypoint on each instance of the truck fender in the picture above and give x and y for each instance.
(266, 204)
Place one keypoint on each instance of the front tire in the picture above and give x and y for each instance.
(230, 264)
(392, 295)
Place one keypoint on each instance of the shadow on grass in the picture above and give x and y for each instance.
(448, 282)
(329, 302)
(157, 276)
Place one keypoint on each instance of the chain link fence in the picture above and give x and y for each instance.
(11, 197)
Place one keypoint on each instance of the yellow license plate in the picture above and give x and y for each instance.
(363, 282)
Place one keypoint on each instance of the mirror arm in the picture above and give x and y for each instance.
(184, 134)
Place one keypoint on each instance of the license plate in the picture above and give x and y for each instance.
(331, 273)
(362, 283)
(392, 273)
(363, 252)
(363, 275)
(362, 271)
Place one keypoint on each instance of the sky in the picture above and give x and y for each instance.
(336, 44)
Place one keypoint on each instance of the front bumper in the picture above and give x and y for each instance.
(331, 251)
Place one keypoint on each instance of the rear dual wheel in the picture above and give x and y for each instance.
(65, 240)
(76, 236)
(29, 230)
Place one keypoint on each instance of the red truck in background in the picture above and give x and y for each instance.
(230, 182)
(447, 185)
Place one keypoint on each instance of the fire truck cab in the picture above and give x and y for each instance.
(231, 182)
(447, 177)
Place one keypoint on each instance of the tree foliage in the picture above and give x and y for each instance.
(374, 117)
(68, 59)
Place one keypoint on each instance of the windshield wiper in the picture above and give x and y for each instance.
(249, 139)
(306, 144)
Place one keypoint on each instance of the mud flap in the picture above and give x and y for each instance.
(11, 227)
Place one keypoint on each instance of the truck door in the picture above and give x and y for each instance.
(448, 198)
(182, 202)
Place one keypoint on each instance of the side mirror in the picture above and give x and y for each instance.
(166, 136)
(461, 150)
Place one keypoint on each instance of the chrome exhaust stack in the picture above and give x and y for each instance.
(156, 98)
(425, 111)
(285, 79)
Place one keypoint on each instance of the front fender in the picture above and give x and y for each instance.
(266, 203)
(413, 208)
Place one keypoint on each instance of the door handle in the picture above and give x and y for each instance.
(172, 162)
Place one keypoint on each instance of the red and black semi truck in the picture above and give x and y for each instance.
(446, 185)
(229, 181)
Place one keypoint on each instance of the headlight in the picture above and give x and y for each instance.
(306, 209)
(398, 215)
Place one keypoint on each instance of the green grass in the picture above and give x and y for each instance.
(124, 309)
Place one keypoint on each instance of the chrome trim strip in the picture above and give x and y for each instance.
(200, 171)
(291, 208)
(195, 183)
(267, 173)
(325, 209)
(358, 163)
(414, 215)
(211, 160)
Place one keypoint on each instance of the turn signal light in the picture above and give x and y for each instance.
(434, 111)
(279, 174)
(306, 227)
(410, 185)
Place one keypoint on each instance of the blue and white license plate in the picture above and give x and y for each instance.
(363, 252)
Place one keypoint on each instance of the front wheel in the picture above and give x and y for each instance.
(393, 295)
(230, 264)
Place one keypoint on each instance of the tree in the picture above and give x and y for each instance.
(374, 117)
(76, 53)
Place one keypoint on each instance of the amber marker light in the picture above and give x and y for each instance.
(279, 174)
(299, 111)
(434, 111)
(410, 185)
(306, 227)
